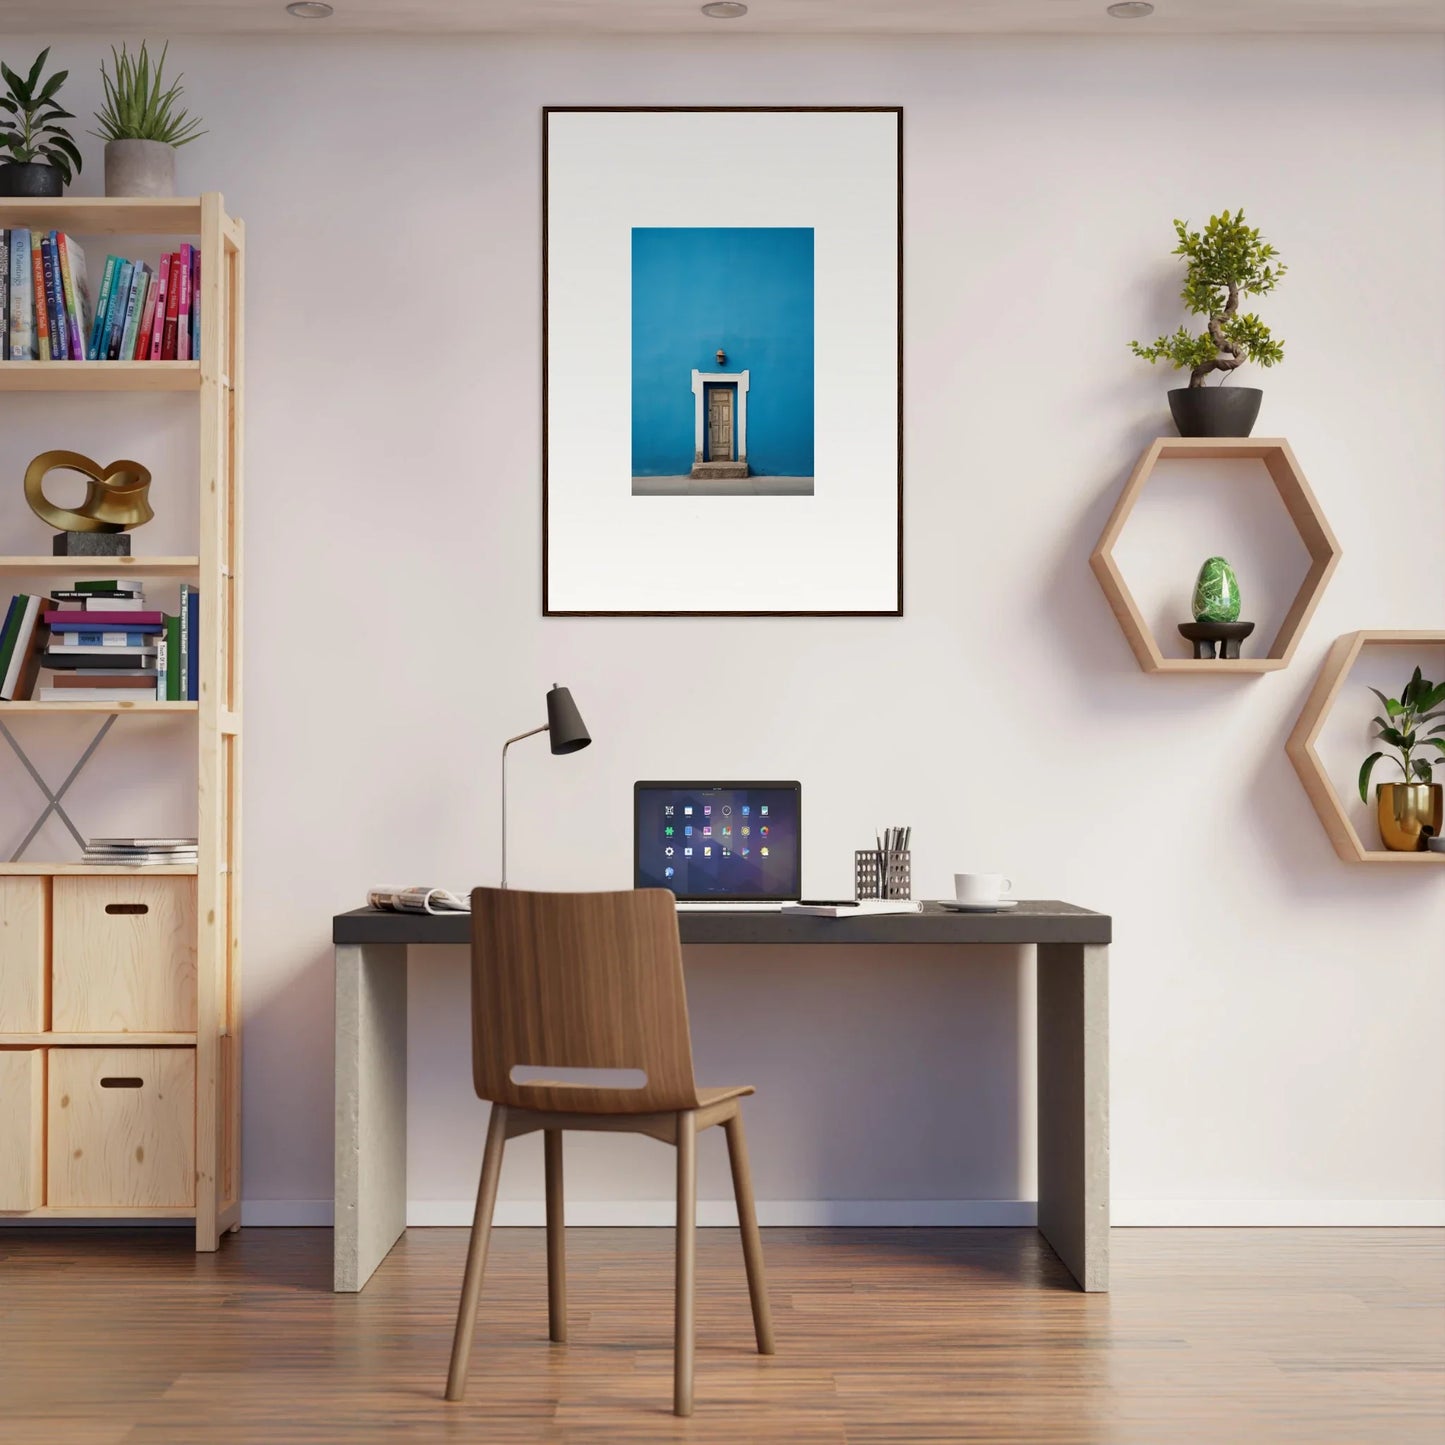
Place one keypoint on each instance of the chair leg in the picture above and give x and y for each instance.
(556, 1239)
(748, 1227)
(684, 1326)
(477, 1253)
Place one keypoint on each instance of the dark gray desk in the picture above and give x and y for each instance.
(1073, 1056)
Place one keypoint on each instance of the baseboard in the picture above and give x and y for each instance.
(1277, 1213)
(896, 1213)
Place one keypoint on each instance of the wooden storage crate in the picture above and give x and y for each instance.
(22, 1129)
(24, 953)
(123, 955)
(121, 1128)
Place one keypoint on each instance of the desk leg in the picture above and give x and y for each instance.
(370, 1108)
(1073, 1047)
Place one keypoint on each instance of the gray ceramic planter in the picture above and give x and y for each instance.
(140, 168)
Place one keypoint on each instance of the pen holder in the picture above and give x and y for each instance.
(878, 875)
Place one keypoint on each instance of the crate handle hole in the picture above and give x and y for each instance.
(114, 1081)
(127, 908)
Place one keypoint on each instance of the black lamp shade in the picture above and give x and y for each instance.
(565, 729)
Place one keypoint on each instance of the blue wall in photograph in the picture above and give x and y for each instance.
(748, 290)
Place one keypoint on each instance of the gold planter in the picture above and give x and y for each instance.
(1409, 813)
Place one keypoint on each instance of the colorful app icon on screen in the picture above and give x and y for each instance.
(707, 852)
(668, 830)
(687, 852)
(746, 830)
(763, 810)
(667, 810)
(707, 810)
(687, 830)
(746, 810)
(669, 872)
(763, 850)
(687, 810)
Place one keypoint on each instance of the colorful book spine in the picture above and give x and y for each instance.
(54, 301)
(102, 306)
(97, 636)
(173, 659)
(133, 310)
(119, 300)
(158, 325)
(24, 661)
(183, 307)
(4, 295)
(173, 302)
(42, 307)
(191, 642)
(7, 633)
(114, 620)
(162, 670)
(195, 303)
(22, 306)
(77, 301)
(142, 347)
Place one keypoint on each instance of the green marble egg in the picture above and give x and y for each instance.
(1216, 592)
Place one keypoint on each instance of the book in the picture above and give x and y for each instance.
(82, 658)
(77, 293)
(130, 621)
(133, 308)
(4, 295)
(95, 602)
(59, 329)
(163, 665)
(868, 908)
(119, 299)
(74, 594)
(77, 640)
(142, 348)
(173, 659)
(150, 844)
(25, 655)
(106, 677)
(106, 584)
(191, 643)
(42, 306)
(173, 301)
(22, 305)
(195, 303)
(7, 632)
(158, 324)
(183, 307)
(102, 308)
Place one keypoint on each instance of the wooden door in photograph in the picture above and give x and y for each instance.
(720, 424)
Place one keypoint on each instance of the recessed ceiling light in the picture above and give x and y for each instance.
(725, 10)
(310, 9)
(1131, 9)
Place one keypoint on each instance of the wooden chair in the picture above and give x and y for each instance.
(593, 981)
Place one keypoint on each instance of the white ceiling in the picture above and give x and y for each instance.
(682, 17)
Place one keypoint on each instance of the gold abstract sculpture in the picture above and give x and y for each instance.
(115, 496)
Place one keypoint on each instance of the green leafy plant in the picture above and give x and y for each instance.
(1420, 702)
(136, 107)
(29, 111)
(1226, 261)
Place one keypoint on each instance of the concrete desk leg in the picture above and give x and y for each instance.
(1073, 1029)
(370, 1108)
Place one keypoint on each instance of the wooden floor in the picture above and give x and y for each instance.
(883, 1335)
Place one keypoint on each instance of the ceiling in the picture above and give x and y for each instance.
(682, 17)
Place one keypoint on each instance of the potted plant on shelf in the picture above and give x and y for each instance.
(141, 126)
(1225, 262)
(1409, 812)
(38, 157)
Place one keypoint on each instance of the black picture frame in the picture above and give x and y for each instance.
(547, 113)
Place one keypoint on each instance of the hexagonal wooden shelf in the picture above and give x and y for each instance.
(1304, 512)
(1300, 746)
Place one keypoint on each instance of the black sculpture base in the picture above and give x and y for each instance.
(1205, 636)
(91, 544)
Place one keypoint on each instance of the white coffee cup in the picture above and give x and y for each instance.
(980, 887)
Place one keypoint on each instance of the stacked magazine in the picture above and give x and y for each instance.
(140, 852)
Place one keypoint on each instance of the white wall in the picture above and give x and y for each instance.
(1276, 1050)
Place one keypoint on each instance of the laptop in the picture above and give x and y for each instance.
(735, 845)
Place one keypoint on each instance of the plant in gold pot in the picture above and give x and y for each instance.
(141, 125)
(1410, 811)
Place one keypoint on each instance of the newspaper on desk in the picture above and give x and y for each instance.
(417, 900)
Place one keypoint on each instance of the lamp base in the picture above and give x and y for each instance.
(91, 544)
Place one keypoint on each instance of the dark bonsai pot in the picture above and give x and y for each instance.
(1215, 411)
(30, 178)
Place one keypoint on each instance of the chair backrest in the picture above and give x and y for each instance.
(580, 981)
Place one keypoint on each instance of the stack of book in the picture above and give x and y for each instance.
(102, 644)
(140, 313)
(140, 852)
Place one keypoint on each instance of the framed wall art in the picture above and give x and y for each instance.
(722, 361)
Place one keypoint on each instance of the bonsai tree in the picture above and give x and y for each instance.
(29, 111)
(1226, 261)
(1420, 702)
(136, 108)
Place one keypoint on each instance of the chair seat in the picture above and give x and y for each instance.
(708, 1097)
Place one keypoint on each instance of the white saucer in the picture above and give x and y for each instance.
(953, 906)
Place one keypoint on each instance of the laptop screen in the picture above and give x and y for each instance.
(719, 841)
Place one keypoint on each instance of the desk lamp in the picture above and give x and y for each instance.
(567, 734)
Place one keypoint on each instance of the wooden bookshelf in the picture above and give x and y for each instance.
(50, 898)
